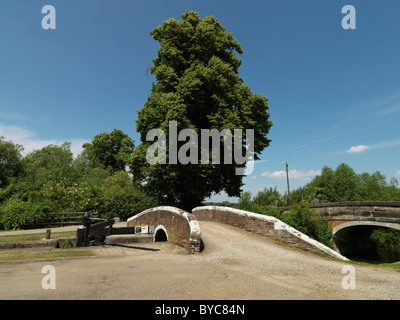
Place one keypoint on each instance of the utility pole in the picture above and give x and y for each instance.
(288, 189)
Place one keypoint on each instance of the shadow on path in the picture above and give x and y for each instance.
(132, 247)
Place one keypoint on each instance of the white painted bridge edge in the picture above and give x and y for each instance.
(195, 233)
(278, 225)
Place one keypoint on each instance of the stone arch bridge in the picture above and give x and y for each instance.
(183, 228)
(353, 222)
(359, 213)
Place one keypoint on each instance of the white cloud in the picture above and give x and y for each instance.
(358, 149)
(293, 174)
(397, 174)
(382, 145)
(26, 138)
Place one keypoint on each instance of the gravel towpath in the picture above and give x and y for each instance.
(234, 265)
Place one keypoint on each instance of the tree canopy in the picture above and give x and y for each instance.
(198, 86)
(10, 161)
(50, 179)
(112, 150)
(344, 184)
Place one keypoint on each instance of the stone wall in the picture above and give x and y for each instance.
(265, 226)
(380, 211)
(182, 227)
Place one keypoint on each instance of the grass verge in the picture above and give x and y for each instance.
(393, 265)
(38, 254)
(35, 236)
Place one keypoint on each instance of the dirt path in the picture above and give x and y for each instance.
(234, 265)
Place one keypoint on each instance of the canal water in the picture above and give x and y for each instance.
(379, 255)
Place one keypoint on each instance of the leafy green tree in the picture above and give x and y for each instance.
(346, 181)
(245, 202)
(88, 171)
(10, 161)
(267, 197)
(47, 166)
(21, 209)
(343, 184)
(122, 199)
(393, 192)
(386, 238)
(198, 86)
(112, 150)
(324, 186)
(372, 187)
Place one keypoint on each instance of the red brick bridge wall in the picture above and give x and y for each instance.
(181, 227)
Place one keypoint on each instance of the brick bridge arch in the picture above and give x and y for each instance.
(359, 213)
(179, 226)
(349, 224)
(353, 222)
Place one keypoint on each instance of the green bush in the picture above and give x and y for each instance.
(67, 244)
(16, 212)
(120, 198)
(125, 202)
(267, 210)
(386, 238)
(302, 218)
(12, 214)
(245, 202)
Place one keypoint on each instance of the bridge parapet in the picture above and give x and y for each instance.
(264, 225)
(180, 227)
(379, 211)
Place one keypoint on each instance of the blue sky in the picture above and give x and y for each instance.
(334, 93)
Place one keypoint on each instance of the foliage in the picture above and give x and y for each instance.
(10, 161)
(245, 202)
(199, 87)
(69, 196)
(47, 166)
(302, 218)
(17, 212)
(386, 238)
(112, 150)
(343, 184)
(122, 199)
(267, 197)
(51, 180)
(67, 244)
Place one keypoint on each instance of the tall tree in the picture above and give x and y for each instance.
(47, 166)
(10, 161)
(112, 150)
(198, 86)
(346, 181)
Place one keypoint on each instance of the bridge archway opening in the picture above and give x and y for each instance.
(355, 243)
(160, 234)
